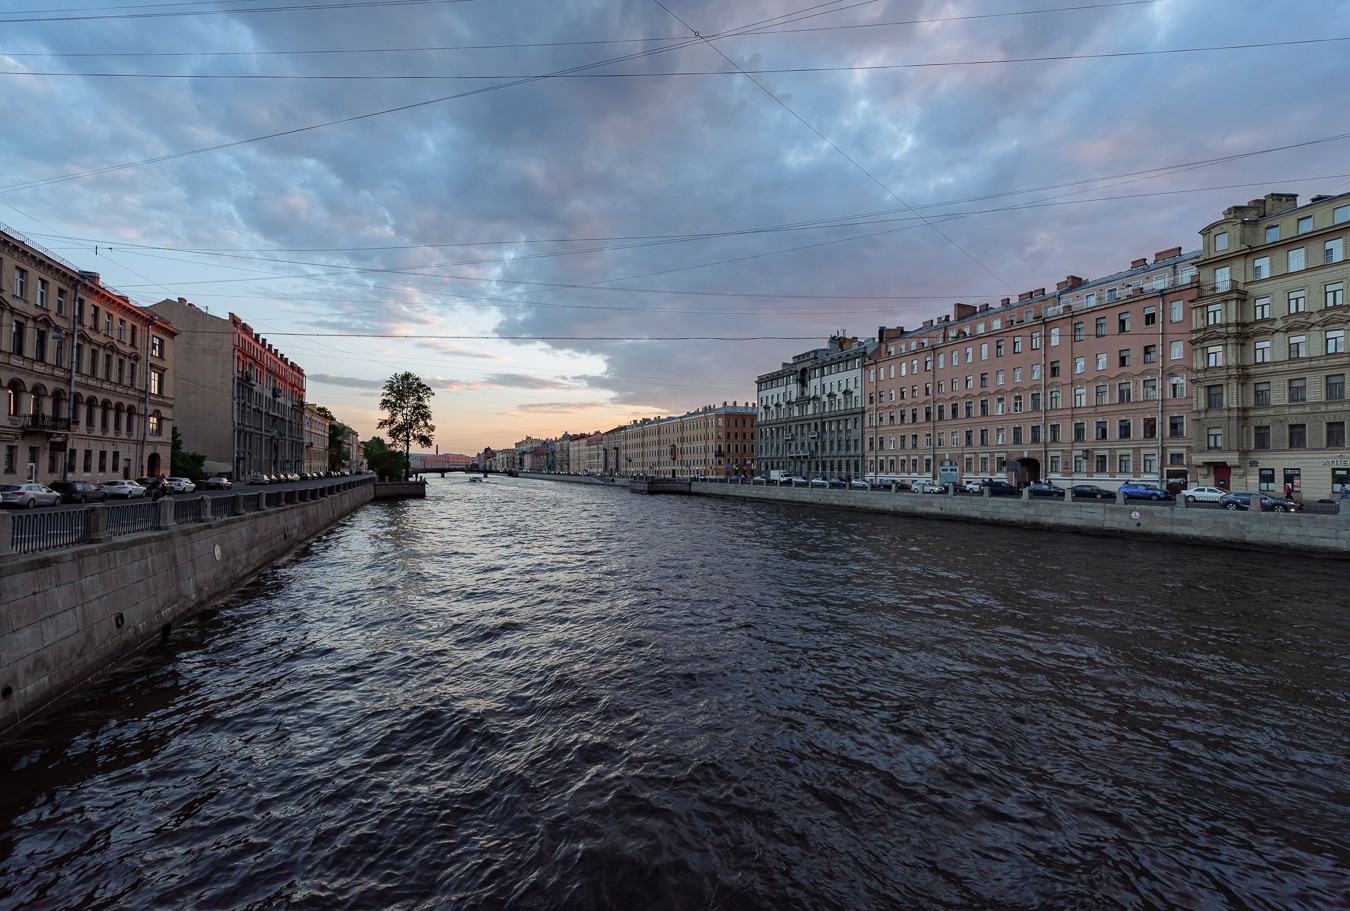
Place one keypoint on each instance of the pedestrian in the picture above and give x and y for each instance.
(1345, 490)
(1289, 491)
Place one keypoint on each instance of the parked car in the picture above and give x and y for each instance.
(974, 485)
(1269, 503)
(216, 482)
(859, 484)
(1044, 489)
(28, 495)
(1091, 492)
(182, 485)
(1203, 494)
(925, 486)
(838, 482)
(999, 488)
(819, 482)
(794, 480)
(79, 491)
(125, 490)
(259, 478)
(1138, 490)
(147, 482)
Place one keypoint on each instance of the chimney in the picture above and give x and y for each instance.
(1003, 303)
(1280, 202)
(985, 307)
(928, 324)
(1024, 296)
(1039, 292)
(1135, 264)
(961, 311)
(1166, 254)
(885, 334)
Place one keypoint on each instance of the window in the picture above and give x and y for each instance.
(1214, 356)
(1079, 363)
(16, 337)
(1177, 311)
(1099, 394)
(1056, 399)
(42, 292)
(1017, 344)
(1123, 323)
(984, 351)
(1101, 430)
(1261, 437)
(1148, 389)
(1335, 341)
(1214, 396)
(1335, 387)
(1176, 426)
(61, 311)
(1335, 434)
(1035, 341)
(1334, 294)
(998, 377)
(1150, 428)
(1298, 391)
(1305, 224)
(1079, 431)
(1124, 356)
(1220, 241)
(1298, 436)
(1261, 268)
(1079, 396)
(1261, 308)
(1101, 361)
(1222, 276)
(1123, 391)
(1214, 438)
(156, 382)
(1272, 233)
(1176, 387)
(107, 324)
(1178, 350)
(1261, 394)
(1101, 326)
(1298, 301)
(1123, 463)
(1262, 352)
(1340, 215)
(1214, 314)
(1078, 332)
(20, 283)
(998, 348)
(1017, 435)
(1298, 347)
(1054, 368)
(1054, 337)
(1334, 250)
(1124, 430)
(1101, 462)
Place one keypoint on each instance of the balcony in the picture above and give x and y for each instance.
(45, 423)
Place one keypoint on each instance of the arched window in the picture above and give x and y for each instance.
(117, 418)
(107, 410)
(131, 420)
(13, 395)
(89, 415)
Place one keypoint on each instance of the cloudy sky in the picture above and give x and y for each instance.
(564, 214)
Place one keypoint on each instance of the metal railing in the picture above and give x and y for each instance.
(132, 518)
(35, 532)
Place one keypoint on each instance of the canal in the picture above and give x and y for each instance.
(522, 694)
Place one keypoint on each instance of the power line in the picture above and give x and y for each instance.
(766, 71)
(176, 14)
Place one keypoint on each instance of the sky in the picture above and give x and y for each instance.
(568, 214)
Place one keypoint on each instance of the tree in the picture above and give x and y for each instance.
(405, 403)
(184, 464)
(375, 444)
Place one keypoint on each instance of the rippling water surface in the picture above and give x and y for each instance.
(523, 694)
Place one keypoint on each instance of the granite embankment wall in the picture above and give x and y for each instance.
(67, 615)
(1321, 535)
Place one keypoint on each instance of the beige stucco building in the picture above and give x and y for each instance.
(714, 442)
(316, 439)
(87, 374)
(1270, 354)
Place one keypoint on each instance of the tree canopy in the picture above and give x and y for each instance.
(405, 402)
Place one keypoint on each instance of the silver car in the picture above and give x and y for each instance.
(28, 495)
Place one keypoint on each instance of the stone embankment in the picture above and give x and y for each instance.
(1303, 533)
(98, 584)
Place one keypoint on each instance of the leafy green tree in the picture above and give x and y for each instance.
(183, 464)
(405, 402)
(375, 444)
(387, 464)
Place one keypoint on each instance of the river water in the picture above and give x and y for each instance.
(521, 694)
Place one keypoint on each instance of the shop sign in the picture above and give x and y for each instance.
(1340, 461)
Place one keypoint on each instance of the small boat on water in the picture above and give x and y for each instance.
(478, 480)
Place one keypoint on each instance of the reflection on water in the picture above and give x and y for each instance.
(530, 695)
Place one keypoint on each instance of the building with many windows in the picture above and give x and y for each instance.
(712, 442)
(86, 373)
(811, 412)
(1270, 346)
(244, 405)
(1087, 383)
(316, 440)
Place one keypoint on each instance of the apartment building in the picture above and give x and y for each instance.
(713, 442)
(316, 439)
(86, 373)
(244, 406)
(810, 412)
(1086, 383)
(1270, 346)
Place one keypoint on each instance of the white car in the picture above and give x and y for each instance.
(1202, 494)
(974, 486)
(124, 489)
(929, 487)
(819, 482)
(182, 485)
(859, 484)
(28, 495)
